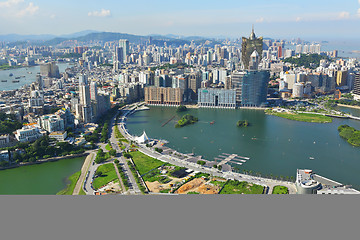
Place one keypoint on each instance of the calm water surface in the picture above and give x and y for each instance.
(29, 77)
(40, 179)
(275, 145)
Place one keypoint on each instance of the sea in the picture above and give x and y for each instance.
(27, 76)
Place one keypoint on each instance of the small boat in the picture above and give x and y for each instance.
(311, 158)
(10, 75)
(4, 80)
(17, 77)
(211, 123)
(29, 72)
(15, 81)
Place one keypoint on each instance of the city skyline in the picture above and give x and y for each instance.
(320, 19)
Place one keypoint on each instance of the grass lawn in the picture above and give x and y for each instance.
(165, 190)
(280, 190)
(304, 117)
(108, 147)
(82, 192)
(193, 193)
(70, 187)
(236, 187)
(218, 183)
(144, 163)
(108, 175)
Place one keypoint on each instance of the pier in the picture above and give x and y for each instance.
(168, 121)
(232, 158)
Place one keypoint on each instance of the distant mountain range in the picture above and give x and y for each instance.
(41, 37)
(90, 35)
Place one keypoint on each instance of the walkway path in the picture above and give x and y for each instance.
(120, 179)
(84, 171)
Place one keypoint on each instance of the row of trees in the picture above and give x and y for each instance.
(101, 132)
(101, 156)
(8, 123)
(306, 60)
(43, 147)
(258, 174)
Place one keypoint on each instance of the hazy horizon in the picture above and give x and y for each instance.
(276, 19)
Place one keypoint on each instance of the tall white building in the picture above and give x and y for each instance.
(124, 44)
(85, 101)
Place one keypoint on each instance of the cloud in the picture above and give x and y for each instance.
(102, 13)
(18, 8)
(30, 10)
(52, 16)
(298, 19)
(260, 20)
(10, 3)
(344, 15)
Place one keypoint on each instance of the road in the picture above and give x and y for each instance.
(120, 179)
(133, 187)
(84, 171)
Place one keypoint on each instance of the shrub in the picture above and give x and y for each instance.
(200, 162)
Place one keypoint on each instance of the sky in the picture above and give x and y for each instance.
(317, 19)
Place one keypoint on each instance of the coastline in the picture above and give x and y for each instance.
(349, 106)
(54, 159)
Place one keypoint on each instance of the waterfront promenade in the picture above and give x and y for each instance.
(270, 183)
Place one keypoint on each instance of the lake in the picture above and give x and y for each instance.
(274, 145)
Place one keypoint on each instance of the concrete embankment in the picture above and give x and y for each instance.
(45, 160)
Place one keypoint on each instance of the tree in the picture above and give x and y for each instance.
(98, 173)
(112, 152)
(220, 167)
(200, 162)
(214, 166)
(116, 161)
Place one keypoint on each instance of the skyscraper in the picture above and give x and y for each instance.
(118, 58)
(124, 44)
(248, 46)
(85, 102)
(357, 86)
(254, 88)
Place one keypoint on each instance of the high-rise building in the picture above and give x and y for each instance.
(194, 84)
(49, 70)
(248, 46)
(163, 96)
(357, 86)
(254, 88)
(39, 82)
(236, 82)
(298, 90)
(217, 98)
(341, 78)
(85, 101)
(124, 44)
(93, 91)
(118, 58)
